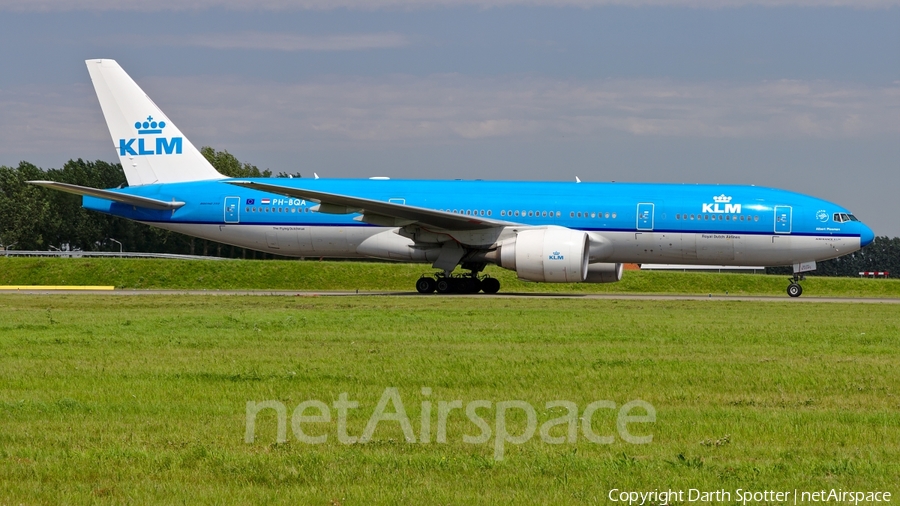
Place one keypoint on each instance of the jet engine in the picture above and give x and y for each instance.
(550, 255)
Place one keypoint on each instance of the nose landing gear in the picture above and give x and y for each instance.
(794, 289)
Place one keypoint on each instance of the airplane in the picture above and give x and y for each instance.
(551, 232)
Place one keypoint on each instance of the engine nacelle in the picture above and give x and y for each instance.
(604, 273)
(550, 255)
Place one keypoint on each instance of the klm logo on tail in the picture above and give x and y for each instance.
(150, 146)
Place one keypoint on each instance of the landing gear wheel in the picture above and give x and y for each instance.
(469, 285)
(444, 286)
(490, 285)
(794, 290)
(426, 285)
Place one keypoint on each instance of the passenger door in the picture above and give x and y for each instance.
(645, 216)
(232, 209)
(782, 219)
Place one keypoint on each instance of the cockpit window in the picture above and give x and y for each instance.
(844, 217)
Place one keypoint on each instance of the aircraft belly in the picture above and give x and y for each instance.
(715, 248)
(653, 247)
(329, 240)
(282, 240)
(725, 249)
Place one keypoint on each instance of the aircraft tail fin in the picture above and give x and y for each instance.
(151, 148)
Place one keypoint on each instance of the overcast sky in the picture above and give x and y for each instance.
(801, 94)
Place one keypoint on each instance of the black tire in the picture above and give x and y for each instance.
(490, 285)
(426, 285)
(794, 290)
(469, 285)
(444, 285)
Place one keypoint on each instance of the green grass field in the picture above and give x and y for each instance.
(366, 276)
(111, 399)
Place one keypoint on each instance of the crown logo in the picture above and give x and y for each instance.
(149, 126)
(722, 199)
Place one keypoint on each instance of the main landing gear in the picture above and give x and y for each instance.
(462, 283)
(794, 289)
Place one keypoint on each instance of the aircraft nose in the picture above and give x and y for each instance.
(866, 236)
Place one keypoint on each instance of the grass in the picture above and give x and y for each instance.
(110, 399)
(315, 275)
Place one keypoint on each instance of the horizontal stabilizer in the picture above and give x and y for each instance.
(124, 198)
(377, 211)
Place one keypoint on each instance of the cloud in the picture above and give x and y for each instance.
(444, 109)
(292, 42)
(295, 5)
(45, 119)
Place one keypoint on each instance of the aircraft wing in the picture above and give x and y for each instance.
(124, 198)
(378, 212)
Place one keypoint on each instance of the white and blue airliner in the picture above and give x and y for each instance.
(552, 232)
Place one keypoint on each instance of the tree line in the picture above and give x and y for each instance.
(34, 218)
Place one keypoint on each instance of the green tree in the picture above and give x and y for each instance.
(228, 165)
(26, 215)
